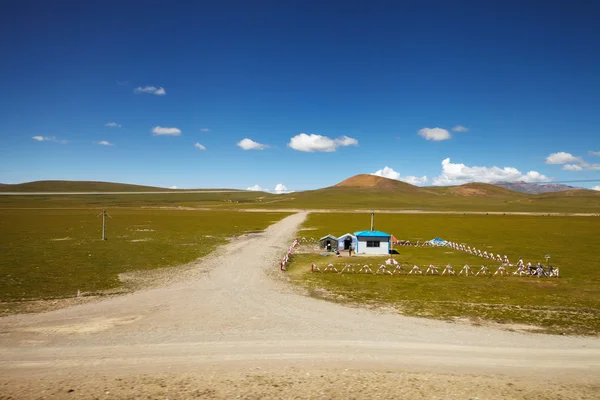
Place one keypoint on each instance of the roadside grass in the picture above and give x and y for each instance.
(570, 304)
(51, 254)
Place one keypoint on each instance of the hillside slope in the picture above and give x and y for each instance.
(78, 186)
(366, 181)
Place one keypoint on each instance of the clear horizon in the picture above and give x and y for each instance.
(287, 96)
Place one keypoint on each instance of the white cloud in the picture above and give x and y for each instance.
(151, 90)
(313, 142)
(572, 167)
(594, 153)
(414, 180)
(199, 146)
(596, 188)
(346, 141)
(460, 128)
(204, 130)
(112, 125)
(159, 130)
(435, 134)
(388, 172)
(562, 158)
(173, 187)
(255, 188)
(456, 174)
(249, 144)
(572, 163)
(49, 139)
(280, 188)
(104, 143)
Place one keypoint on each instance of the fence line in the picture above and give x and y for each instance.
(286, 258)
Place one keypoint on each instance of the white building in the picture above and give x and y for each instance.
(372, 242)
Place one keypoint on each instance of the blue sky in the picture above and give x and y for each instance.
(322, 92)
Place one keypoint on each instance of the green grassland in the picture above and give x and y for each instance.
(439, 199)
(49, 253)
(570, 304)
(240, 199)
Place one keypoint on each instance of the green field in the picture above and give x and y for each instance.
(48, 254)
(570, 304)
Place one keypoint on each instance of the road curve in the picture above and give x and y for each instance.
(229, 314)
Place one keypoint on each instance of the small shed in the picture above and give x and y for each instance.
(372, 242)
(329, 242)
(347, 242)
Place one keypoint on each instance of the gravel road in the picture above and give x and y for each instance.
(231, 326)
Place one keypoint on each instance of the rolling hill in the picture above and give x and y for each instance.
(534, 188)
(363, 192)
(360, 192)
(78, 186)
(365, 181)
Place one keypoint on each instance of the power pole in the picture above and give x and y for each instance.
(104, 214)
(372, 220)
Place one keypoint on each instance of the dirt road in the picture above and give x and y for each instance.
(227, 328)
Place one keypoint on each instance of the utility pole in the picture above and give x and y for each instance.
(104, 214)
(372, 220)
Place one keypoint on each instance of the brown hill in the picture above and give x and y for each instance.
(77, 186)
(366, 181)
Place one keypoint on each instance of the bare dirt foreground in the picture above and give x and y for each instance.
(227, 329)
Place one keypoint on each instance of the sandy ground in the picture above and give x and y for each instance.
(231, 327)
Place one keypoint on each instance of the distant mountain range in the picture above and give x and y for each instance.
(534, 188)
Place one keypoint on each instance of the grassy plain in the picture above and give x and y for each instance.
(481, 198)
(570, 304)
(49, 253)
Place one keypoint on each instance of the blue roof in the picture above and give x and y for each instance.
(372, 234)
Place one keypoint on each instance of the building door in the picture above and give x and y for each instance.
(347, 243)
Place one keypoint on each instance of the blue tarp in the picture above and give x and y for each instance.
(438, 242)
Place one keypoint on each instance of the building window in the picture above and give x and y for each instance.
(372, 243)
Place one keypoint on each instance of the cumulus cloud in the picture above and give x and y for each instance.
(199, 146)
(311, 143)
(104, 143)
(562, 158)
(388, 172)
(571, 162)
(150, 90)
(173, 187)
(594, 153)
(204, 130)
(48, 139)
(255, 188)
(280, 188)
(112, 125)
(572, 167)
(456, 174)
(414, 180)
(160, 130)
(435, 134)
(249, 144)
(460, 128)
(596, 188)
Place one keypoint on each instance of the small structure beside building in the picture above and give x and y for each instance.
(372, 242)
(328, 242)
(347, 242)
